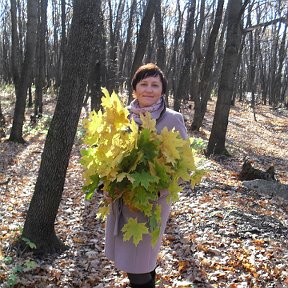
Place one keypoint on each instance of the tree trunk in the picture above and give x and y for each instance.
(127, 44)
(23, 80)
(40, 67)
(281, 60)
(58, 76)
(97, 64)
(142, 40)
(198, 58)
(160, 37)
(2, 123)
(216, 144)
(39, 224)
(185, 69)
(172, 66)
(205, 89)
(113, 68)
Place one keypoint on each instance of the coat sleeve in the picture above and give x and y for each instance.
(180, 126)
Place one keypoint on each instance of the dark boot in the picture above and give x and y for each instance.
(150, 284)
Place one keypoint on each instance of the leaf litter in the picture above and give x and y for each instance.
(220, 234)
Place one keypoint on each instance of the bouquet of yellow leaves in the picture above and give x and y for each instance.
(134, 164)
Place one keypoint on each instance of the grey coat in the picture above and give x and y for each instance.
(127, 257)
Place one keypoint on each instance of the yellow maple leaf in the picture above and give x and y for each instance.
(148, 122)
(170, 144)
(115, 114)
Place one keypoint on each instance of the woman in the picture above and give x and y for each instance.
(149, 87)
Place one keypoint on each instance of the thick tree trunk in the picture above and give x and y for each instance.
(216, 144)
(39, 224)
(22, 81)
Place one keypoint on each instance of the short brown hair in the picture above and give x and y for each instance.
(149, 70)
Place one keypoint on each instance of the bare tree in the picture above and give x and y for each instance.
(97, 65)
(143, 37)
(114, 32)
(201, 98)
(41, 54)
(174, 51)
(124, 67)
(185, 67)
(161, 55)
(216, 144)
(22, 71)
(39, 223)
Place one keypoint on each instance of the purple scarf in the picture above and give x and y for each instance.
(136, 110)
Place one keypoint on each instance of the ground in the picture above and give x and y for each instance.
(220, 234)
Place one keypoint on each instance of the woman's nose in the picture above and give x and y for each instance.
(149, 88)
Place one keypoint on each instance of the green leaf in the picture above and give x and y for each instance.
(135, 230)
(130, 161)
(155, 236)
(197, 176)
(143, 179)
(30, 265)
(174, 189)
(155, 219)
(29, 243)
(164, 178)
(148, 146)
(12, 280)
(17, 269)
(141, 196)
(102, 213)
(90, 189)
(8, 260)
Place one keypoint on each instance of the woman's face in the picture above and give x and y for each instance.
(148, 91)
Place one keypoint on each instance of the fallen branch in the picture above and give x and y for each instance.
(248, 172)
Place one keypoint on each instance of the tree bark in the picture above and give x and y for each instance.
(172, 66)
(203, 96)
(97, 64)
(39, 223)
(198, 57)
(142, 40)
(113, 68)
(216, 144)
(161, 55)
(186, 65)
(60, 52)
(22, 79)
(2, 123)
(40, 67)
(127, 44)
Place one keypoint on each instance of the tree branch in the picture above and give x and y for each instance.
(274, 21)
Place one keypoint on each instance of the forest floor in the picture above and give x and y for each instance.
(220, 234)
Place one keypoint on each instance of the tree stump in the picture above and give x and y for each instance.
(248, 172)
